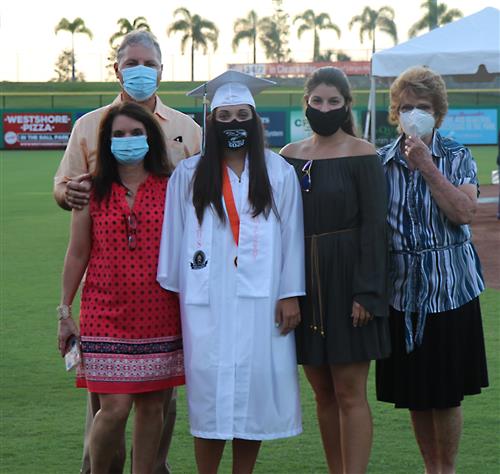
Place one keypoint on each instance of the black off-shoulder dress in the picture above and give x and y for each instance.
(345, 214)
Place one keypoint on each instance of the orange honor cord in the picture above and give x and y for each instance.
(227, 192)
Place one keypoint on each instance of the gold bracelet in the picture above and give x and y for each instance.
(63, 312)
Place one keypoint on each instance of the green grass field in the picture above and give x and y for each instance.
(42, 413)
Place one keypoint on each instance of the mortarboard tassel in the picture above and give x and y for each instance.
(204, 131)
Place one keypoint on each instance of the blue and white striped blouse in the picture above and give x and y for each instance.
(434, 266)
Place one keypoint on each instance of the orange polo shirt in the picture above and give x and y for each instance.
(182, 136)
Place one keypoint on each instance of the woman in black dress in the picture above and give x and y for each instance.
(344, 315)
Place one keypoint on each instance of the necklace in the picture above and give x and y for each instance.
(136, 184)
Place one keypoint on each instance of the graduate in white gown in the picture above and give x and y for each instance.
(232, 247)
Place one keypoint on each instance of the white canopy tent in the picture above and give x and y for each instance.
(463, 47)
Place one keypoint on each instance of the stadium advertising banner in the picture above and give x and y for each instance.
(385, 132)
(274, 127)
(35, 130)
(350, 68)
(299, 126)
(471, 126)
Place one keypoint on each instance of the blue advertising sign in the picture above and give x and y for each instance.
(471, 126)
(274, 127)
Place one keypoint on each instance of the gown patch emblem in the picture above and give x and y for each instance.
(199, 260)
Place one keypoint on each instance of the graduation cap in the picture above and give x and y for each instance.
(229, 88)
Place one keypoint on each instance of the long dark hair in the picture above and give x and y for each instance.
(332, 76)
(156, 161)
(207, 180)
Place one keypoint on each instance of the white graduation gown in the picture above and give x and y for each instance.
(241, 373)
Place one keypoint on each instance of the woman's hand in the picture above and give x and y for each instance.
(417, 153)
(360, 316)
(66, 328)
(458, 203)
(287, 314)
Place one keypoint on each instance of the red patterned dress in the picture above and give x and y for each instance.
(130, 326)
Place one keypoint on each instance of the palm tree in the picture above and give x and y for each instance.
(274, 32)
(74, 27)
(328, 56)
(370, 20)
(201, 32)
(139, 23)
(246, 28)
(315, 23)
(274, 39)
(436, 15)
(63, 68)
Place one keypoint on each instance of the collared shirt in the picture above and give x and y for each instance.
(182, 139)
(434, 266)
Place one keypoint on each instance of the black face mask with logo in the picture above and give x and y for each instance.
(234, 135)
(326, 123)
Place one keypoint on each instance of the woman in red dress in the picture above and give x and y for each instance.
(130, 331)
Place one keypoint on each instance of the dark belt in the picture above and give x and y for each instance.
(316, 279)
(413, 292)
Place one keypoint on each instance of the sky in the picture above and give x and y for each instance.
(30, 47)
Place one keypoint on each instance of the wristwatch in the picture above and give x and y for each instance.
(63, 312)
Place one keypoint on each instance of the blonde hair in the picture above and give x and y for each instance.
(422, 82)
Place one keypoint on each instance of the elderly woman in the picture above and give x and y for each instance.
(437, 337)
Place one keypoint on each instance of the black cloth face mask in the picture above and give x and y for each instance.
(326, 123)
(234, 135)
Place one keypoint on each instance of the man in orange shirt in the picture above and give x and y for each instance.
(138, 53)
(138, 68)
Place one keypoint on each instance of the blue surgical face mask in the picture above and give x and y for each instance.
(140, 82)
(129, 150)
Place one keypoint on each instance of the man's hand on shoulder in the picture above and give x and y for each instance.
(75, 193)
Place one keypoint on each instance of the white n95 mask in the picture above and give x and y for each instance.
(417, 123)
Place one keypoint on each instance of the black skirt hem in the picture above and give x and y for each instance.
(449, 365)
(435, 406)
(345, 361)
